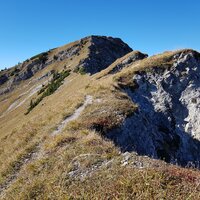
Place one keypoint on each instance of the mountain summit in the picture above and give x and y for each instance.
(90, 55)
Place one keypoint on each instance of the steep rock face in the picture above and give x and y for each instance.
(123, 62)
(166, 125)
(3, 79)
(102, 52)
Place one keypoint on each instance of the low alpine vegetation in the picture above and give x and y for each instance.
(80, 70)
(55, 83)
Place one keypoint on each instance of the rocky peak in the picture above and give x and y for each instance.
(103, 51)
(91, 54)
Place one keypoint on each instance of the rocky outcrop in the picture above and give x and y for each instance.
(72, 51)
(124, 62)
(167, 122)
(128, 60)
(23, 71)
(3, 79)
(103, 51)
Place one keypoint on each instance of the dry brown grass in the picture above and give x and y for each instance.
(44, 179)
(79, 147)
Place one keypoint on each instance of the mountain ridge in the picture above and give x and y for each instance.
(135, 116)
(94, 46)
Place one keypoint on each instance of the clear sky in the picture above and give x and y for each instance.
(28, 27)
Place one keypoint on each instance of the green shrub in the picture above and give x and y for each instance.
(42, 90)
(55, 57)
(80, 70)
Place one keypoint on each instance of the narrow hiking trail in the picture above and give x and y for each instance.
(75, 115)
(39, 151)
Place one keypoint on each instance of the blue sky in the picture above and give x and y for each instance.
(28, 27)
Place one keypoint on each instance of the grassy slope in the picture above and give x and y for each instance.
(40, 163)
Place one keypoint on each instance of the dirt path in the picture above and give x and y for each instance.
(75, 115)
(38, 152)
